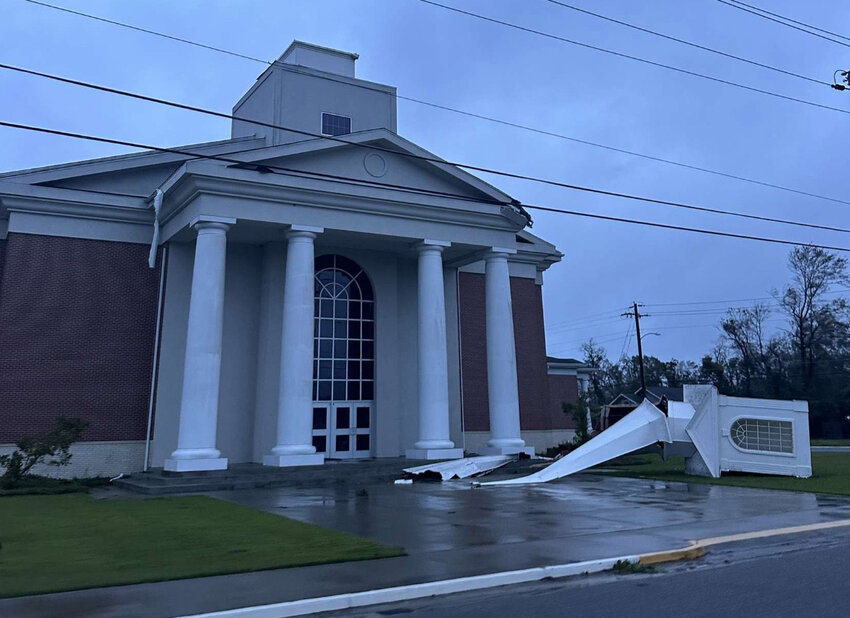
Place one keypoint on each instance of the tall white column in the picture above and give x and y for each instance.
(501, 358)
(433, 442)
(196, 444)
(294, 445)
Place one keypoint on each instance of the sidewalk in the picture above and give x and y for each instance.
(452, 531)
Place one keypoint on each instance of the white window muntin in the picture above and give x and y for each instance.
(763, 435)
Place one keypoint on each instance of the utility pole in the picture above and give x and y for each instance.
(637, 316)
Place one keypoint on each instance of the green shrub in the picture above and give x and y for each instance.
(49, 447)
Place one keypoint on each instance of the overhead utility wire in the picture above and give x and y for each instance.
(691, 44)
(146, 31)
(508, 123)
(754, 10)
(362, 182)
(840, 36)
(738, 300)
(626, 151)
(608, 317)
(436, 160)
(635, 58)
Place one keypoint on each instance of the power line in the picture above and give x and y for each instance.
(690, 43)
(682, 228)
(436, 160)
(626, 340)
(268, 168)
(592, 316)
(736, 300)
(146, 31)
(635, 58)
(835, 34)
(764, 14)
(470, 114)
(604, 318)
(625, 151)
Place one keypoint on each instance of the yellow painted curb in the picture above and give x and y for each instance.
(697, 549)
(686, 553)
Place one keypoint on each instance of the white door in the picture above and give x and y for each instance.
(343, 430)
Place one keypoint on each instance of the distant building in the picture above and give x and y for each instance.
(624, 403)
(568, 379)
(310, 299)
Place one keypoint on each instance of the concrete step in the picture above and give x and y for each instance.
(255, 476)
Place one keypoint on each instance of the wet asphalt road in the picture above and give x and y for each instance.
(802, 576)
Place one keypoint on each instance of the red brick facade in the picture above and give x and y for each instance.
(77, 320)
(562, 389)
(534, 394)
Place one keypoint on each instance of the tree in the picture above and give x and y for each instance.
(603, 382)
(50, 447)
(815, 271)
(744, 330)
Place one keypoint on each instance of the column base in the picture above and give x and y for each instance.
(287, 461)
(506, 450)
(198, 464)
(431, 454)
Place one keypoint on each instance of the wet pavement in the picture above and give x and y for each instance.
(498, 528)
(451, 530)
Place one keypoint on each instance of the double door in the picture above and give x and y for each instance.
(343, 430)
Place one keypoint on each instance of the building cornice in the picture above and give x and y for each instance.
(329, 195)
(15, 197)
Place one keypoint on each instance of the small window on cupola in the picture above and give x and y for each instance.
(335, 125)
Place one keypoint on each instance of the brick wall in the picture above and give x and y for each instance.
(2, 257)
(527, 301)
(562, 389)
(77, 320)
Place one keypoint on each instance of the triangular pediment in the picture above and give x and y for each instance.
(379, 157)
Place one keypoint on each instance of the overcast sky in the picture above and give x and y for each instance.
(454, 60)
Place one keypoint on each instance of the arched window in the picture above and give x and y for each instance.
(344, 344)
(758, 434)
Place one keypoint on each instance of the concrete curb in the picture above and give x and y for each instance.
(416, 591)
(492, 580)
(697, 549)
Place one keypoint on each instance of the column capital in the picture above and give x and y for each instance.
(210, 222)
(498, 253)
(303, 231)
(427, 244)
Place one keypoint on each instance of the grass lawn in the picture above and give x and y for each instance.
(830, 473)
(72, 541)
(830, 442)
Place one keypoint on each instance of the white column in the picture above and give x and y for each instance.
(196, 444)
(294, 446)
(501, 358)
(433, 442)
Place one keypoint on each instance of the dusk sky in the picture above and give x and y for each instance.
(686, 280)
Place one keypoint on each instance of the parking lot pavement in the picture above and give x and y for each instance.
(585, 517)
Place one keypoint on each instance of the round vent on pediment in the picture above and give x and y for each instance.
(375, 164)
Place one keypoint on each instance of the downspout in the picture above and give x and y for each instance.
(157, 338)
(157, 205)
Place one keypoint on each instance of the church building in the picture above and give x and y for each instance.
(314, 288)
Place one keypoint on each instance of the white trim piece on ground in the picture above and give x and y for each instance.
(416, 591)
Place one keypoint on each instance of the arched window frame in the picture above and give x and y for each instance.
(344, 331)
(776, 434)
